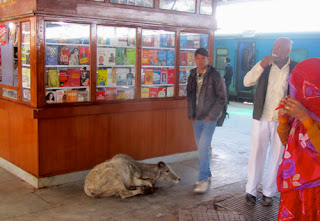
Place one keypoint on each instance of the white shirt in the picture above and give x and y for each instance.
(276, 90)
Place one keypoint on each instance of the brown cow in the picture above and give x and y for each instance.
(125, 177)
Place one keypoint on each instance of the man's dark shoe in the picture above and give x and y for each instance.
(250, 199)
(267, 201)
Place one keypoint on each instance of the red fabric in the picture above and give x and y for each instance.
(300, 205)
(299, 172)
(306, 81)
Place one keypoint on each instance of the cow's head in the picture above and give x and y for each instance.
(166, 173)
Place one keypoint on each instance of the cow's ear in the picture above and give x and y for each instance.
(161, 164)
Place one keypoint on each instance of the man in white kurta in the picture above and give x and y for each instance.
(271, 74)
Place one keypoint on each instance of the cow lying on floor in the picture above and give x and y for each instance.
(125, 177)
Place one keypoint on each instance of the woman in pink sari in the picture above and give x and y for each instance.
(299, 130)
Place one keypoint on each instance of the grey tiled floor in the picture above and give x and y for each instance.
(20, 201)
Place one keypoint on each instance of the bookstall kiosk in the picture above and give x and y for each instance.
(83, 80)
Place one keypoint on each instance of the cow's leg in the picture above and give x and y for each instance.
(124, 193)
(140, 182)
(117, 187)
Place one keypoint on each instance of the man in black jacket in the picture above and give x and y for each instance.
(271, 74)
(228, 72)
(206, 95)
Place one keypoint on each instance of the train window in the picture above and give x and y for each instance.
(221, 54)
(299, 54)
(246, 58)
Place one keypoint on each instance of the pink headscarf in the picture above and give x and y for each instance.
(305, 85)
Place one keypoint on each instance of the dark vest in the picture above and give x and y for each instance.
(261, 90)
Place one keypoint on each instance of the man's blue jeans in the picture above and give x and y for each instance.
(203, 132)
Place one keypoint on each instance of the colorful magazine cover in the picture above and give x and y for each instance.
(74, 55)
(153, 92)
(183, 41)
(182, 90)
(121, 94)
(112, 77)
(162, 57)
(61, 96)
(75, 76)
(183, 77)
(51, 97)
(161, 92)
(145, 57)
(85, 78)
(183, 59)
(170, 58)
(64, 79)
(111, 94)
(131, 56)
(53, 78)
(101, 95)
(103, 77)
(148, 76)
(156, 76)
(63, 58)
(110, 56)
(102, 56)
(122, 76)
(170, 76)
(83, 96)
(164, 76)
(153, 54)
(84, 55)
(120, 56)
(129, 94)
(72, 96)
(51, 55)
(145, 92)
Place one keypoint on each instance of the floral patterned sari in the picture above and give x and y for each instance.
(299, 172)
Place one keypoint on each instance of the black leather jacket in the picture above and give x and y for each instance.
(212, 96)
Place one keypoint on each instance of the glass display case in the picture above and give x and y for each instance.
(157, 59)
(206, 7)
(189, 43)
(116, 63)
(143, 3)
(25, 61)
(178, 5)
(67, 53)
(9, 54)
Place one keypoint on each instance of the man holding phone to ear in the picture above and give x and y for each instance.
(271, 75)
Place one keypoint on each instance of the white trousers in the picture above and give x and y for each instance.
(262, 132)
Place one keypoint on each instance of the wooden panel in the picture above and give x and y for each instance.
(38, 83)
(14, 8)
(19, 136)
(138, 134)
(179, 132)
(62, 6)
(119, 14)
(72, 143)
(68, 110)
(5, 134)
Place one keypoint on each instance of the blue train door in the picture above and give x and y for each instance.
(246, 60)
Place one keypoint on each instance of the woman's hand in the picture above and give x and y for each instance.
(282, 112)
(295, 109)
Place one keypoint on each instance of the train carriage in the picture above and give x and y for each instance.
(246, 51)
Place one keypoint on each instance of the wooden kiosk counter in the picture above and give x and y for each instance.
(83, 80)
